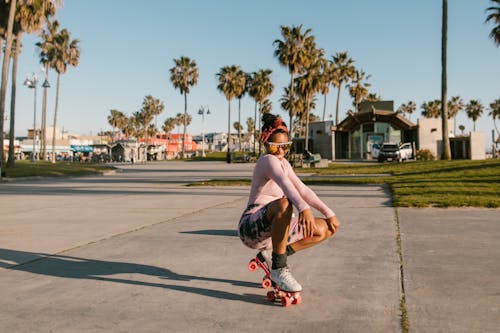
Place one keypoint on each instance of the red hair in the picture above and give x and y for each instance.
(278, 125)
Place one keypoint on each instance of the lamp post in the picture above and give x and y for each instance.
(203, 110)
(31, 82)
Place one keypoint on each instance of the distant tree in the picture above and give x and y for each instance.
(455, 105)
(474, 111)
(358, 88)
(240, 92)
(407, 109)
(461, 128)
(229, 84)
(183, 76)
(260, 88)
(372, 97)
(494, 17)
(63, 52)
(239, 128)
(168, 125)
(116, 119)
(431, 109)
(344, 71)
(293, 52)
(309, 84)
(495, 113)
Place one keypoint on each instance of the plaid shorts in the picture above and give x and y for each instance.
(255, 230)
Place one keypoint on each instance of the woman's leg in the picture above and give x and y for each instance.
(279, 214)
(321, 233)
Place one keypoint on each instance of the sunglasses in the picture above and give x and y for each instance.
(273, 147)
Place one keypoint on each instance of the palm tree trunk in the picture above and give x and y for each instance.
(239, 122)
(53, 158)
(228, 154)
(324, 106)
(254, 127)
(307, 124)
(291, 100)
(5, 73)
(444, 104)
(185, 125)
(11, 159)
(338, 104)
(44, 115)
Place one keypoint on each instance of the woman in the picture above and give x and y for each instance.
(268, 224)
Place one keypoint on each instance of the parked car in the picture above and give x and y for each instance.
(389, 152)
(375, 150)
(406, 151)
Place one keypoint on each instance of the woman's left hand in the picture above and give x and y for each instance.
(306, 221)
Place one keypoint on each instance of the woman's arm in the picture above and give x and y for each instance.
(309, 196)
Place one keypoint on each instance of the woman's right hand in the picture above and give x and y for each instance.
(307, 222)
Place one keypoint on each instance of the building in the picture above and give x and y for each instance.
(375, 123)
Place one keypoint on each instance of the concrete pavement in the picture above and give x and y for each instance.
(137, 251)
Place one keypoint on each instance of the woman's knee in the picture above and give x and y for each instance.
(322, 229)
(281, 208)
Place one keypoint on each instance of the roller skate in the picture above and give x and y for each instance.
(262, 260)
(285, 288)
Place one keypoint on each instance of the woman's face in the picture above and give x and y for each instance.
(278, 145)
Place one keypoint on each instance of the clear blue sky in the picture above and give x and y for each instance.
(128, 48)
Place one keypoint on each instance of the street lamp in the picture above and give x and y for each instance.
(203, 110)
(31, 82)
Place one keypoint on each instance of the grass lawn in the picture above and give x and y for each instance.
(461, 183)
(59, 169)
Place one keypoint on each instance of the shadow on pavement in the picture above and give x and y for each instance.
(81, 268)
(213, 232)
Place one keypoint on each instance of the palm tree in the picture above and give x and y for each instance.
(168, 125)
(373, 97)
(495, 113)
(343, 73)
(229, 84)
(431, 109)
(461, 128)
(260, 88)
(29, 18)
(407, 109)
(358, 88)
(152, 107)
(183, 76)
(327, 78)
(5, 72)
(308, 85)
(474, 110)
(241, 90)
(116, 120)
(455, 105)
(444, 83)
(294, 52)
(45, 46)
(494, 16)
(63, 52)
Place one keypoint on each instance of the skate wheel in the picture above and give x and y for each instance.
(252, 265)
(297, 300)
(286, 301)
(266, 283)
(271, 296)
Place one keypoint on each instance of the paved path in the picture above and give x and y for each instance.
(137, 251)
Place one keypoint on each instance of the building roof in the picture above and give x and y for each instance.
(354, 119)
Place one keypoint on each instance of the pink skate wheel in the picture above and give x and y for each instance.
(252, 265)
(271, 296)
(266, 283)
(286, 301)
(297, 300)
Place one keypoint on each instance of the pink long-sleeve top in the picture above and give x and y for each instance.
(274, 178)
